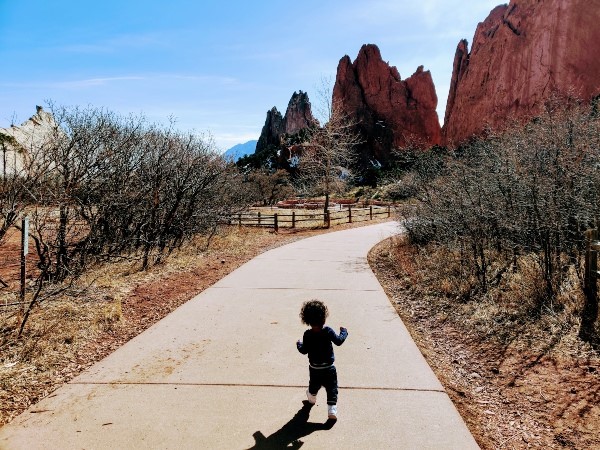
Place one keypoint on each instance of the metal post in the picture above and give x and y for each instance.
(259, 218)
(293, 219)
(239, 220)
(389, 210)
(371, 212)
(349, 214)
(24, 252)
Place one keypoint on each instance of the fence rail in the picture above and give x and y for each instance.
(309, 219)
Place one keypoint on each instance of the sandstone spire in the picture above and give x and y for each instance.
(391, 113)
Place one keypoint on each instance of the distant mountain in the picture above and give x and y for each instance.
(239, 150)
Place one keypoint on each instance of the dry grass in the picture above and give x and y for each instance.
(513, 365)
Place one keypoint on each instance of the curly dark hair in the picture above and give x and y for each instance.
(314, 313)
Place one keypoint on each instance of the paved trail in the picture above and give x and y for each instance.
(223, 372)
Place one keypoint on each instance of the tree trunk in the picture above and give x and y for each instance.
(62, 261)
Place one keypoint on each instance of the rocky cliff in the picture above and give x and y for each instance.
(279, 132)
(522, 54)
(272, 130)
(391, 113)
(298, 116)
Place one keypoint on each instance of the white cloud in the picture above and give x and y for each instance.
(93, 82)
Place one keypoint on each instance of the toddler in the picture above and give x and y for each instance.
(317, 343)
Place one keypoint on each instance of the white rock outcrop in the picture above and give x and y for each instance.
(19, 143)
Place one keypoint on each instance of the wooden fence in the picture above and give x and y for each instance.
(309, 219)
(589, 314)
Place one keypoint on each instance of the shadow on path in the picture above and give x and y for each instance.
(288, 436)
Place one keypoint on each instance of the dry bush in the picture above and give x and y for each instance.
(517, 302)
(517, 372)
(104, 187)
(516, 202)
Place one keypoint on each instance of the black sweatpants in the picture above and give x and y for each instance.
(326, 378)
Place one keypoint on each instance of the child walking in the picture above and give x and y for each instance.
(317, 343)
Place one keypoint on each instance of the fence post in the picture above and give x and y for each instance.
(293, 219)
(589, 314)
(389, 210)
(259, 218)
(349, 214)
(371, 212)
(275, 223)
(240, 220)
(24, 252)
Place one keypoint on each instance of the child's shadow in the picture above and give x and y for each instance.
(288, 436)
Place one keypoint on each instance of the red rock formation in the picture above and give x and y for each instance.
(272, 145)
(272, 130)
(299, 114)
(391, 113)
(522, 54)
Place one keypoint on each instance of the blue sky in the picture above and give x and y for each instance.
(215, 66)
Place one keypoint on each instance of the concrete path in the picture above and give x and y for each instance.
(223, 372)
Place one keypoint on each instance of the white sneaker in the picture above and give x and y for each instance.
(312, 399)
(332, 411)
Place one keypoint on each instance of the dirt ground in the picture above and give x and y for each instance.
(509, 396)
(511, 393)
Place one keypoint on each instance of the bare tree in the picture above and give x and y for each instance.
(10, 199)
(270, 187)
(107, 186)
(327, 155)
